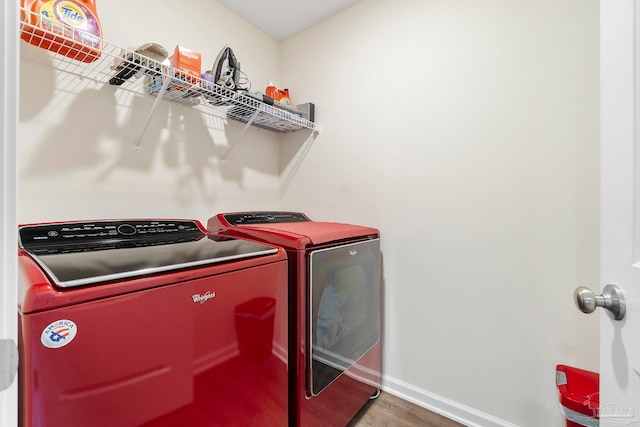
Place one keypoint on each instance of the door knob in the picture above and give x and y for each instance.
(612, 299)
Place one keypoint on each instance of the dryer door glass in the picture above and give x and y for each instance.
(345, 290)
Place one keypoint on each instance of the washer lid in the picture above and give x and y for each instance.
(76, 254)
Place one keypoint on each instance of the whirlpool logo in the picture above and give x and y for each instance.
(198, 298)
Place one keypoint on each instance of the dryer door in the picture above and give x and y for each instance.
(345, 290)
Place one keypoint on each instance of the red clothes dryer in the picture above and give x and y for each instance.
(150, 322)
(334, 307)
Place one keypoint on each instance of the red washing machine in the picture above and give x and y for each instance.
(335, 292)
(150, 322)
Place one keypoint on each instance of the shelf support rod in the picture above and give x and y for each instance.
(163, 89)
(237, 138)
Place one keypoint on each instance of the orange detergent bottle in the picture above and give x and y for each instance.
(25, 10)
(67, 27)
(278, 95)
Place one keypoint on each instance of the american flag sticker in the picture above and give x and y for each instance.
(59, 333)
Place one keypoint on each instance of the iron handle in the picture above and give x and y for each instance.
(611, 299)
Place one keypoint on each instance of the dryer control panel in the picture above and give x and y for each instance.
(243, 218)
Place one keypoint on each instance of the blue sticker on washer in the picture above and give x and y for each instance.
(59, 333)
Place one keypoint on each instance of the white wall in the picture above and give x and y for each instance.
(467, 131)
(76, 157)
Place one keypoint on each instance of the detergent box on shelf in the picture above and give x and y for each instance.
(185, 72)
(187, 62)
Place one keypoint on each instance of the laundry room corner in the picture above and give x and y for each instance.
(467, 132)
(463, 137)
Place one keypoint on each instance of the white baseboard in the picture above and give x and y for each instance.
(441, 405)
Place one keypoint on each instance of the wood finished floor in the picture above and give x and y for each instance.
(389, 410)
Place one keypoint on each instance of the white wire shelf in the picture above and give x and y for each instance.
(91, 58)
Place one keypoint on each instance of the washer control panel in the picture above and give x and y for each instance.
(264, 217)
(94, 232)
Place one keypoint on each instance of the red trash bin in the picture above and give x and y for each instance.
(579, 396)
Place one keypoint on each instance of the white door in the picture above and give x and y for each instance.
(9, 62)
(620, 209)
